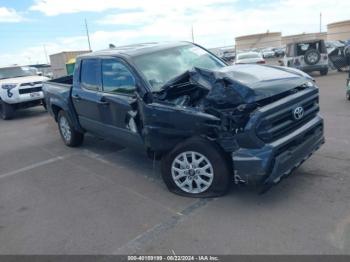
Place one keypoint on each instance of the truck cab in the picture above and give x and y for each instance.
(20, 87)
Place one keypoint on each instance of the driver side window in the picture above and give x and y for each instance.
(116, 78)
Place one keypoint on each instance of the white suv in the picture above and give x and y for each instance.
(307, 56)
(20, 87)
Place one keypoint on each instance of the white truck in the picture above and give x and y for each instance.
(20, 87)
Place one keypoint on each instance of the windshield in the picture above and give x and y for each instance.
(162, 66)
(248, 56)
(19, 71)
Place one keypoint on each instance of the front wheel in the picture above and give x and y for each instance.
(324, 72)
(70, 136)
(197, 168)
(7, 111)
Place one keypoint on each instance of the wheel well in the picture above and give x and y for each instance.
(56, 110)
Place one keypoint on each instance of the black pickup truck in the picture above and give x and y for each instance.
(210, 124)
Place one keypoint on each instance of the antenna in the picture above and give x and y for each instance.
(320, 22)
(192, 34)
(88, 35)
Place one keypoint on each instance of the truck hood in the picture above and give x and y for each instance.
(23, 79)
(233, 85)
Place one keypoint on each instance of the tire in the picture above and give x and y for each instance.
(44, 105)
(201, 183)
(324, 72)
(348, 96)
(69, 135)
(7, 111)
(312, 57)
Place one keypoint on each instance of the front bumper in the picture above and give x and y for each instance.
(17, 96)
(311, 68)
(267, 165)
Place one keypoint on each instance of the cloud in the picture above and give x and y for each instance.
(9, 15)
(215, 22)
(57, 7)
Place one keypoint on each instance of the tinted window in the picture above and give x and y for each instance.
(117, 78)
(90, 74)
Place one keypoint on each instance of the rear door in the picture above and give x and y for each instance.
(117, 115)
(86, 95)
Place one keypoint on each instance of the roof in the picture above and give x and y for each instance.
(136, 49)
(253, 36)
(339, 23)
(317, 34)
(300, 41)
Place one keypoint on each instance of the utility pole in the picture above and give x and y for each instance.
(88, 35)
(46, 58)
(320, 22)
(192, 34)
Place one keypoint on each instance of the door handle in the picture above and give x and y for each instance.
(76, 97)
(103, 102)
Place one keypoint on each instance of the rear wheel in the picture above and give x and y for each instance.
(69, 135)
(7, 110)
(197, 168)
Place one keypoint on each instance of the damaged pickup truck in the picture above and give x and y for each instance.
(210, 124)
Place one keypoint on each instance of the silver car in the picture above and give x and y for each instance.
(249, 58)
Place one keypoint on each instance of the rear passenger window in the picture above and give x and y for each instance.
(91, 74)
(117, 78)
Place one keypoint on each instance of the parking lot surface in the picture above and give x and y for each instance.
(105, 199)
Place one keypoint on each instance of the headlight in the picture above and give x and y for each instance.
(8, 86)
(310, 84)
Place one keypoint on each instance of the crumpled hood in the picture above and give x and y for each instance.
(238, 84)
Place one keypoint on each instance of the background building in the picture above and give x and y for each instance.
(303, 37)
(273, 39)
(339, 30)
(59, 61)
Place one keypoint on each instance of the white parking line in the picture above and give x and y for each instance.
(38, 164)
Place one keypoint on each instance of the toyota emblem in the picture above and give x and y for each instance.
(298, 113)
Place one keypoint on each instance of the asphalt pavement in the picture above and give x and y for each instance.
(105, 199)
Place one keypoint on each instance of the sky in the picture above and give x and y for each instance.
(31, 28)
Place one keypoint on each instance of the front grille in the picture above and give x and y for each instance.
(31, 83)
(279, 121)
(30, 90)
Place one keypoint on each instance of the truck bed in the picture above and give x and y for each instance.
(57, 92)
(63, 81)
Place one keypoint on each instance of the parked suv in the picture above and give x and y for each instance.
(307, 56)
(20, 87)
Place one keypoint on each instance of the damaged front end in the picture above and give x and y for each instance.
(240, 109)
(197, 103)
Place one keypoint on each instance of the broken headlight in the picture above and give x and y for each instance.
(8, 86)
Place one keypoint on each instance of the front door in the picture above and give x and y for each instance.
(118, 89)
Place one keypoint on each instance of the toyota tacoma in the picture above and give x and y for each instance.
(210, 124)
